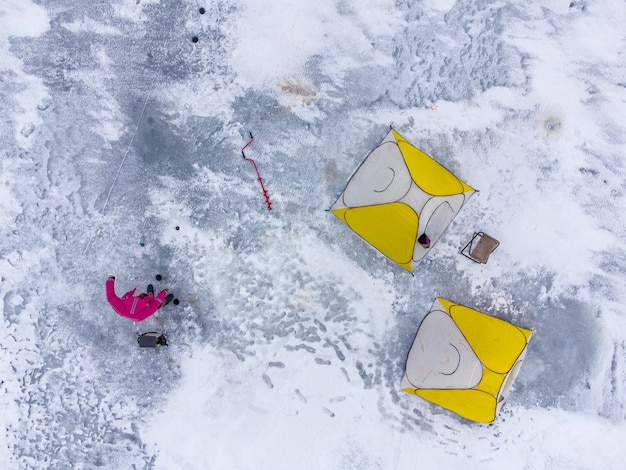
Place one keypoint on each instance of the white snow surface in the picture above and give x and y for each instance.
(120, 154)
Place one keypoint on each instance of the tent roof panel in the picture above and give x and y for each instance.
(471, 404)
(441, 357)
(496, 342)
(382, 177)
(391, 228)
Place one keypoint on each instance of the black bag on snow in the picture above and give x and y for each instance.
(151, 339)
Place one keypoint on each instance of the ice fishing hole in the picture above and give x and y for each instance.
(202, 11)
(552, 125)
(194, 39)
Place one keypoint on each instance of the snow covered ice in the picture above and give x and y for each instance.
(289, 342)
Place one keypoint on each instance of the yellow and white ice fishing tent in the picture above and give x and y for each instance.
(464, 360)
(397, 194)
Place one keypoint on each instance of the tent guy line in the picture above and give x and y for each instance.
(119, 168)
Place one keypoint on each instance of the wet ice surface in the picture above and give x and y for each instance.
(291, 334)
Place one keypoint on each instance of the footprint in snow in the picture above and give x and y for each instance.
(301, 397)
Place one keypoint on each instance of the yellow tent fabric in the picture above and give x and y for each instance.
(397, 194)
(464, 360)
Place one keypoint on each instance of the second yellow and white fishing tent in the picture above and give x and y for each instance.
(465, 360)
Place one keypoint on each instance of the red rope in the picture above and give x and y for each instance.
(265, 195)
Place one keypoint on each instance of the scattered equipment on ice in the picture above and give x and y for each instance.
(480, 247)
(397, 195)
(464, 360)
